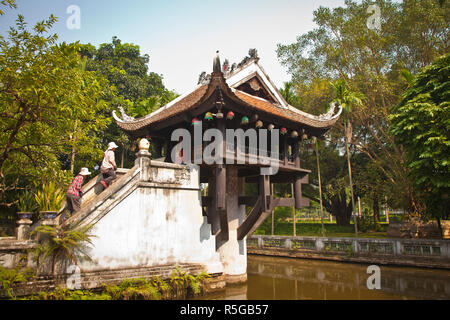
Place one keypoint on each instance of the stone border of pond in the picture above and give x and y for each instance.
(402, 252)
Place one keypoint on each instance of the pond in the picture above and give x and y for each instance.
(272, 278)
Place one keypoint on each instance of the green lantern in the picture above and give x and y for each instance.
(208, 116)
(244, 120)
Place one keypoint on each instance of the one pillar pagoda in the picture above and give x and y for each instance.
(240, 96)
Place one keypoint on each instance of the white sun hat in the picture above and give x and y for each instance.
(112, 145)
(84, 172)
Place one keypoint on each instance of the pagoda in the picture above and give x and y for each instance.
(240, 96)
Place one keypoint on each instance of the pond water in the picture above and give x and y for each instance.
(272, 278)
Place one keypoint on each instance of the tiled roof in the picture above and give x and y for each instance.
(288, 114)
(200, 94)
(185, 103)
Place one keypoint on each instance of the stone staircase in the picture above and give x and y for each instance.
(94, 197)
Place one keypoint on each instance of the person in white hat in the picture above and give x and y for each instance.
(75, 192)
(108, 166)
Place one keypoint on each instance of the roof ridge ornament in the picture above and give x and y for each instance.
(216, 63)
(204, 78)
(330, 114)
(125, 117)
(252, 56)
(225, 68)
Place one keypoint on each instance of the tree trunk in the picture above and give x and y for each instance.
(72, 160)
(376, 211)
(350, 177)
(340, 209)
(342, 220)
(320, 188)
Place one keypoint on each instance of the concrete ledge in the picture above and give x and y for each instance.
(236, 279)
(161, 164)
(405, 252)
(159, 185)
(13, 244)
(429, 262)
(96, 279)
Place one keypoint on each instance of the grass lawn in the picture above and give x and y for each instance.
(306, 228)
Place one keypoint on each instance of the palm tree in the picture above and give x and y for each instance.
(64, 242)
(346, 98)
(288, 93)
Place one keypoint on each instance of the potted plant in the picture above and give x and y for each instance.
(50, 200)
(27, 205)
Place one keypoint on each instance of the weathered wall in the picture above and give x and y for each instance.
(160, 222)
(14, 253)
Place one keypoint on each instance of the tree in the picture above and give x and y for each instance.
(44, 93)
(334, 174)
(7, 3)
(420, 123)
(138, 91)
(346, 98)
(314, 97)
(288, 93)
(412, 34)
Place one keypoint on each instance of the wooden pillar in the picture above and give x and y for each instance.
(264, 192)
(285, 149)
(293, 212)
(273, 213)
(386, 210)
(221, 180)
(296, 153)
(213, 216)
(359, 207)
(166, 148)
(298, 192)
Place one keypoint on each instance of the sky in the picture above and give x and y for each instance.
(181, 37)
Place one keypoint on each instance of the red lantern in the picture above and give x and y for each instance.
(195, 121)
(230, 115)
(283, 130)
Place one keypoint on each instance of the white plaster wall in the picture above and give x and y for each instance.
(233, 253)
(154, 226)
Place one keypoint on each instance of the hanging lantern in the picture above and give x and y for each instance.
(219, 114)
(270, 127)
(294, 134)
(283, 130)
(244, 120)
(230, 115)
(304, 136)
(258, 124)
(255, 117)
(208, 116)
(195, 121)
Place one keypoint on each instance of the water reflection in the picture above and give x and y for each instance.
(286, 279)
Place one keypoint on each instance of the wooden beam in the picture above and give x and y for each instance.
(248, 200)
(283, 202)
(223, 234)
(249, 222)
(300, 201)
